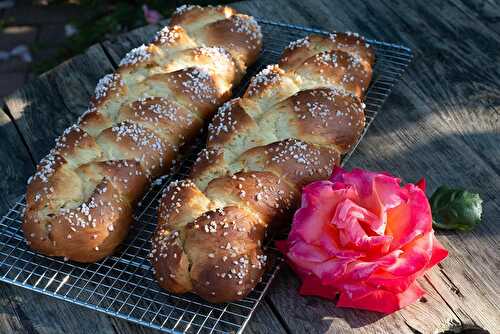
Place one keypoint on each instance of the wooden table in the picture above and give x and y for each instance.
(442, 122)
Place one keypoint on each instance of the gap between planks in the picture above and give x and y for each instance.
(276, 313)
(5, 110)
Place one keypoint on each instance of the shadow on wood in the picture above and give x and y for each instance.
(16, 164)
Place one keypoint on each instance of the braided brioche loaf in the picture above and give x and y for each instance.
(80, 200)
(292, 125)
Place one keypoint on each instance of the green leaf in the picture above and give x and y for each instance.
(455, 209)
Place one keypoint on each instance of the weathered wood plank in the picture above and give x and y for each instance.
(47, 105)
(315, 315)
(486, 13)
(15, 163)
(441, 122)
(22, 311)
(264, 321)
(430, 314)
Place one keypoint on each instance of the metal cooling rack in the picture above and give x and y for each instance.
(123, 285)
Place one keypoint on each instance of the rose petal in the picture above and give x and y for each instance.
(301, 251)
(337, 174)
(386, 281)
(377, 192)
(410, 218)
(388, 190)
(419, 257)
(282, 246)
(319, 201)
(353, 222)
(381, 300)
(359, 270)
(347, 209)
(311, 286)
(415, 257)
(439, 253)
(350, 231)
(328, 241)
(422, 184)
(331, 269)
(356, 290)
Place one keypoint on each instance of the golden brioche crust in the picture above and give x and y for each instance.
(80, 200)
(290, 128)
(296, 162)
(217, 254)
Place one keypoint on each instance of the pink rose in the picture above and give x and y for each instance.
(152, 16)
(364, 236)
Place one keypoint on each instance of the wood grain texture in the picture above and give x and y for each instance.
(22, 311)
(441, 122)
(264, 320)
(315, 315)
(15, 163)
